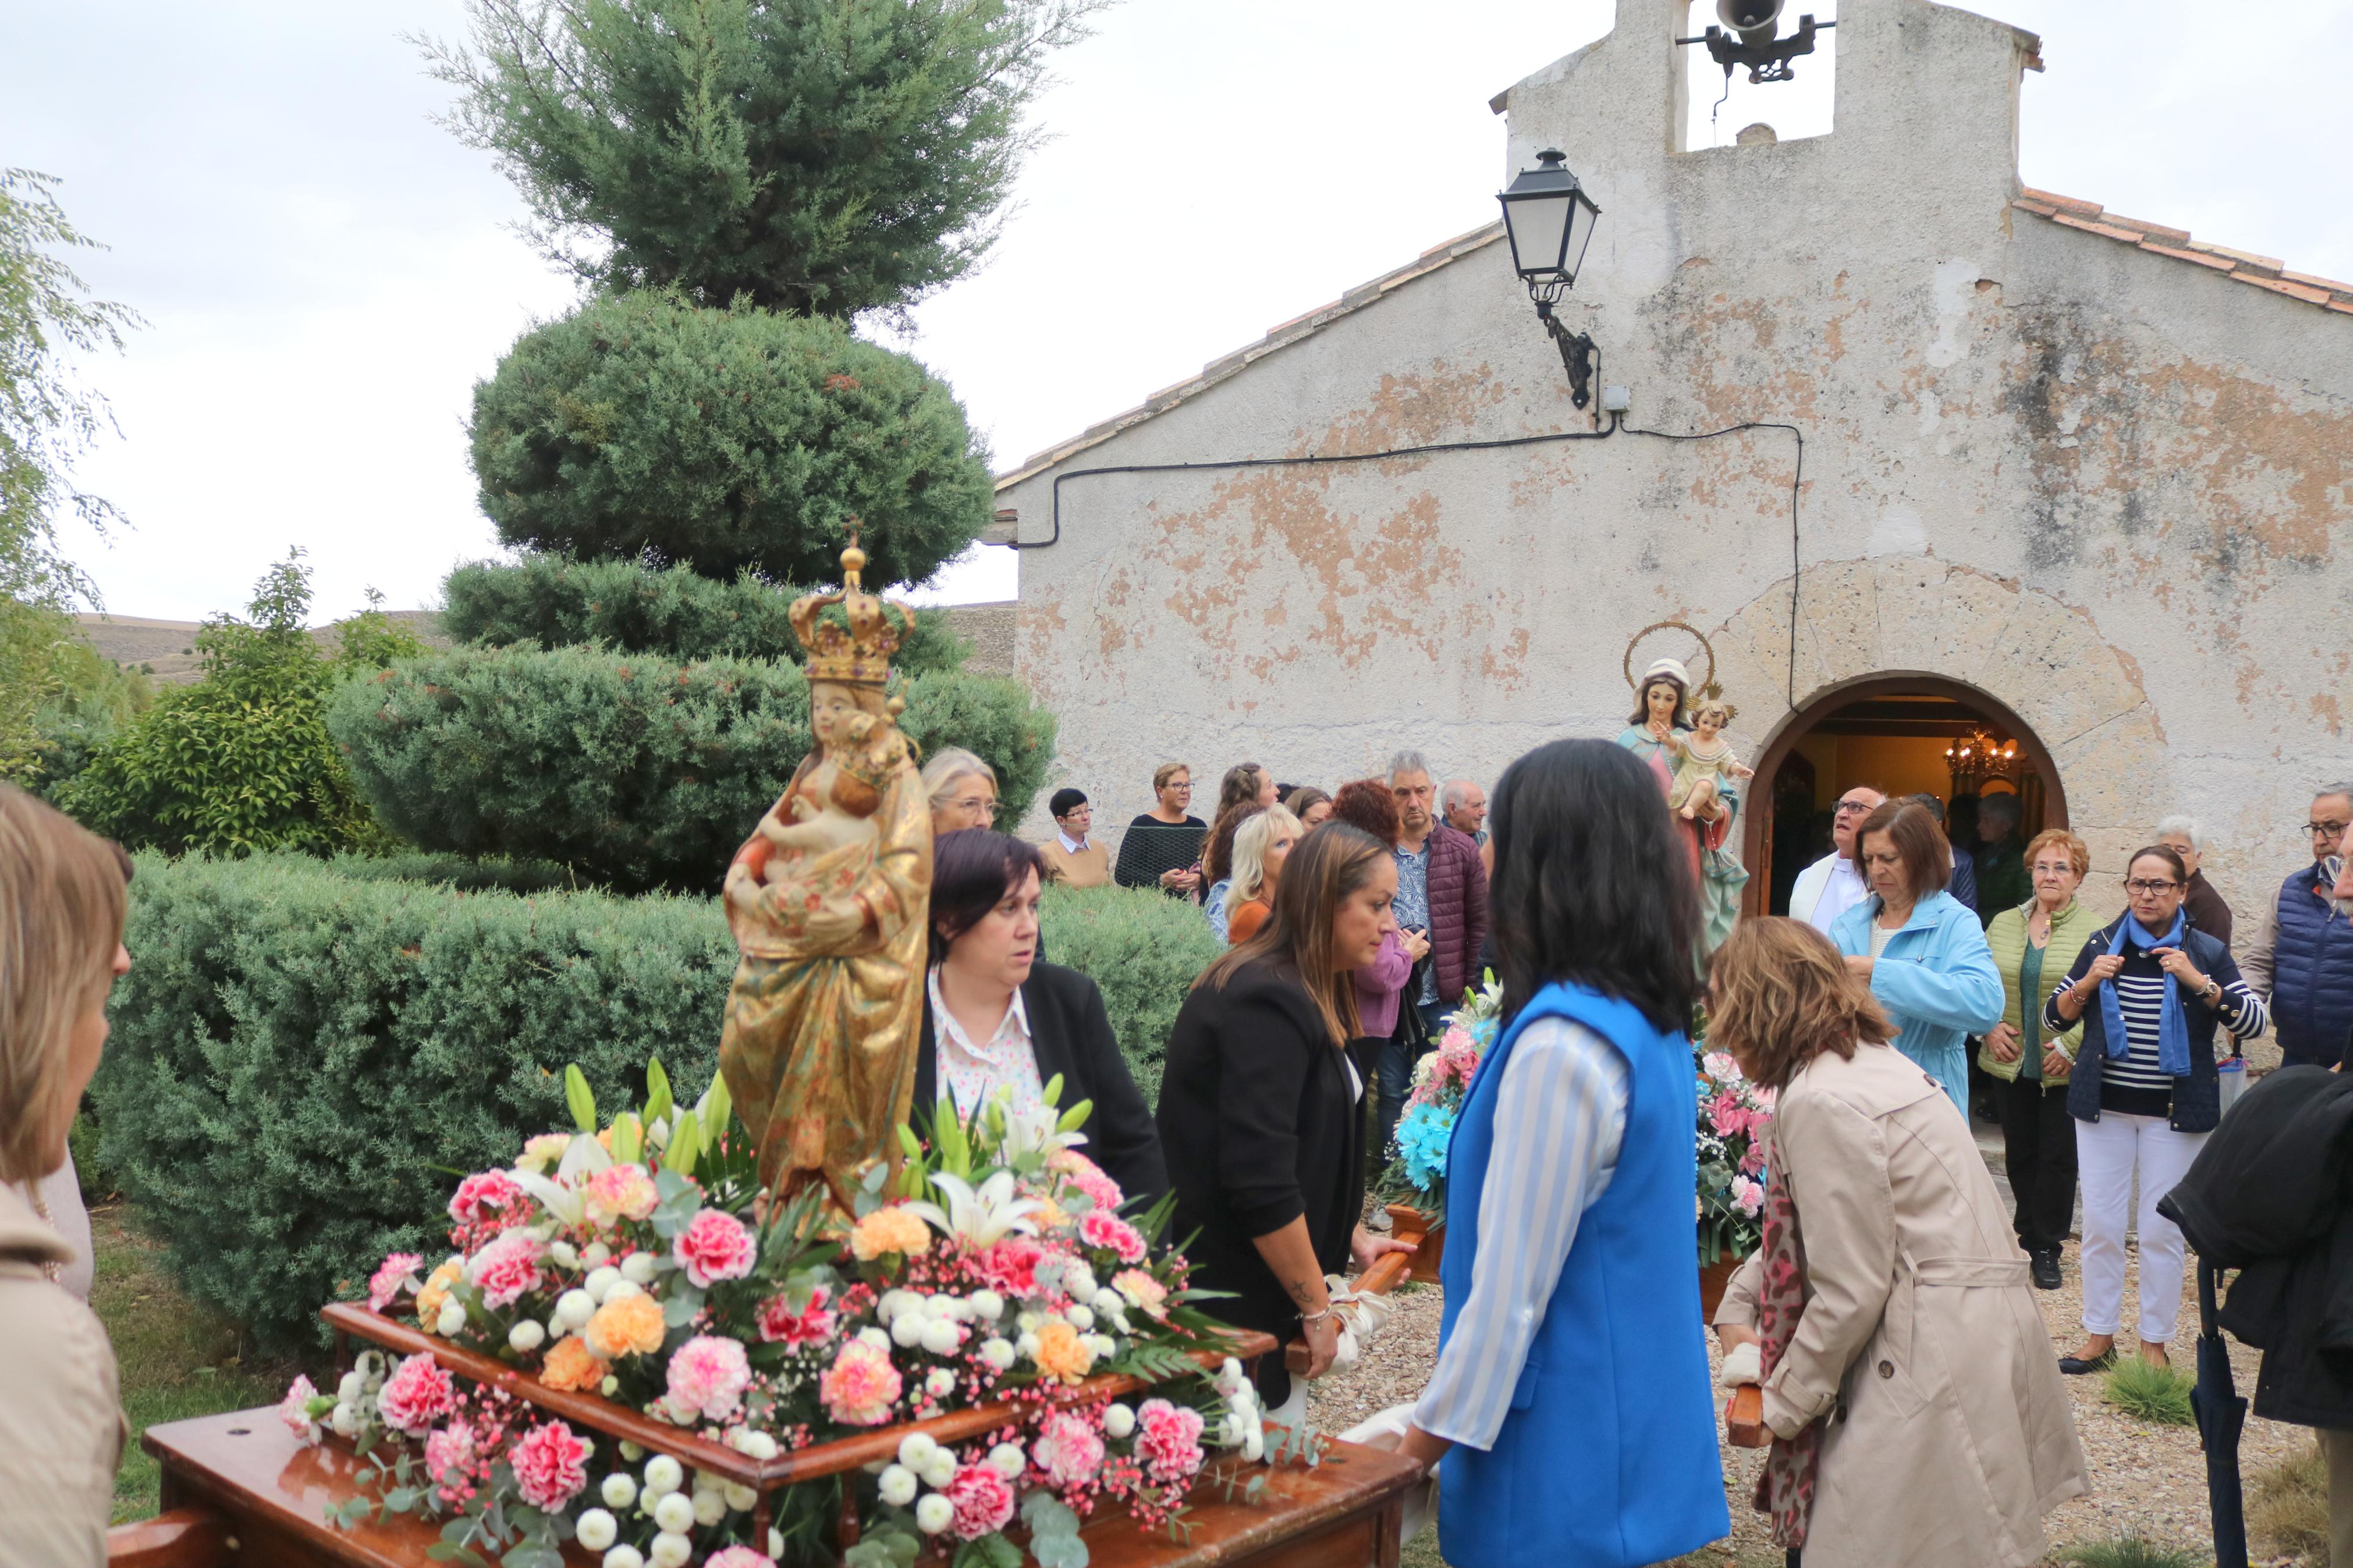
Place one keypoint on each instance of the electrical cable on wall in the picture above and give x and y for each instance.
(1617, 423)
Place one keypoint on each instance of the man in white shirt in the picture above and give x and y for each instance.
(1833, 884)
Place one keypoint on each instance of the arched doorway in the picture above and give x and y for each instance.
(1905, 734)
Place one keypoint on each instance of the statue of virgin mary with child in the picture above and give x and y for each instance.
(1659, 733)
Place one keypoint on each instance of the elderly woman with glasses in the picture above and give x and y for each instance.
(2029, 1064)
(961, 789)
(2148, 989)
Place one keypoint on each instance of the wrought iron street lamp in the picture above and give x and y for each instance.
(1549, 220)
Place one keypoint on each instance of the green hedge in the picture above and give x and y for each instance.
(555, 602)
(300, 1057)
(303, 1056)
(635, 771)
(1144, 950)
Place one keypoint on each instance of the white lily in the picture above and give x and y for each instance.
(1027, 1131)
(562, 1195)
(981, 1216)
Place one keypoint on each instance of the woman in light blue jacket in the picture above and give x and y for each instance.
(1920, 950)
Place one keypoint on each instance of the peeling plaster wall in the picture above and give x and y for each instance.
(2109, 489)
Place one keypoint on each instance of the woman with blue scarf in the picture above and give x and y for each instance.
(2148, 989)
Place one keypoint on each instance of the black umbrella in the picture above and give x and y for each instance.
(2221, 1415)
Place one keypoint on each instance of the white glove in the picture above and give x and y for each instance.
(1742, 1365)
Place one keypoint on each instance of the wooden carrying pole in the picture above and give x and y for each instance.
(1388, 1271)
(1743, 1417)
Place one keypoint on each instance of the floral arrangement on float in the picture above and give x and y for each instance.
(1732, 1116)
(639, 1263)
(1441, 1080)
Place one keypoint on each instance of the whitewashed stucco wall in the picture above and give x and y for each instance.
(2110, 488)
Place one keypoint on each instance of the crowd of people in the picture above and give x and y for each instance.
(1887, 1319)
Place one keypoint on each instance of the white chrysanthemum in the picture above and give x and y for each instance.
(596, 1529)
(933, 1514)
(915, 1448)
(675, 1512)
(671, 1550)
(664, 1475)
(1119, 1421)
(1008, 1460)
(600, 1282)
(618, 1491)
(898, 1486)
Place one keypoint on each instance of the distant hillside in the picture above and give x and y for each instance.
(168, 648)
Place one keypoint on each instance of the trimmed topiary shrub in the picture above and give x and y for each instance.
(555, 602)
(632, 770)
(301, 1058)
(1143, 951)
(725, 439)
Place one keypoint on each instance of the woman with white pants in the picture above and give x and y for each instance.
(2148, 989)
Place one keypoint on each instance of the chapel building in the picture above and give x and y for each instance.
(2074, 517)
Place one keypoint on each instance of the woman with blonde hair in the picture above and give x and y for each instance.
(61, 907)
(1261, 845)
(1896, 1335)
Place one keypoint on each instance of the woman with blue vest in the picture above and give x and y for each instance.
(1919, 949)
(1569, 1412)
(2148, 988)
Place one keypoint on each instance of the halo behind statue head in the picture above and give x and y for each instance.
(1677, 668)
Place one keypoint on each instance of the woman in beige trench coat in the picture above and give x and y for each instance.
(1944, 1432)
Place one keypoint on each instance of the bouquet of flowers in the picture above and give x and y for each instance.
(1440, 1079)
(640, 1261)
(1733, 1115)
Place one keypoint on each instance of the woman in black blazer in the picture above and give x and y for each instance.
(1261, 1111)
(996, 1021)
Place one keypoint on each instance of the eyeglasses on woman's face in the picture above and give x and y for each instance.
(2146, 888)
(2052, 869)
(981, 807)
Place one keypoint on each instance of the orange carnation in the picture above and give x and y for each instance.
(436, 1291)
(630, 1326)
(1061, 1353)
(571, 1366)
(890, 1230)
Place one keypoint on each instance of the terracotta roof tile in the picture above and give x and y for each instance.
(2159, 239)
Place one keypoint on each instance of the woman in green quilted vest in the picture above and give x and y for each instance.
(2034, 945)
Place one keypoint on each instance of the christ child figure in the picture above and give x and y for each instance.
(823, 833)
(1705, 760)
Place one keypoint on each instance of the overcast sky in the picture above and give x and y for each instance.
(326, 272)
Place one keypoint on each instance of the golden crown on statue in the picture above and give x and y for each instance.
(856, 649)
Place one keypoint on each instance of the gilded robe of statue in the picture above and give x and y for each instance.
(819, 1047)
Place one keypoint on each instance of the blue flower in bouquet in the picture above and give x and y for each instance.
(1421, 1138)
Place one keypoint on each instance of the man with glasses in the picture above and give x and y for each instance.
(1833, 884)
(2301, 960)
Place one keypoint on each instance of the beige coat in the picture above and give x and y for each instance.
(61, 1423)
(1949, 1434)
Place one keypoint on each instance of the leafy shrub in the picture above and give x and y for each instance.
(1142, 950)
(555, 600)
(725, 439)
(303, 1055)
(634, 771)
(2150, 1393)
(300, 1057)
(242, 761)
(60, 700)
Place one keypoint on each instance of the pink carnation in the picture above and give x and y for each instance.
(1113, 1234)
(1076, 1170)
(1747, 1195)
(485, 1194)
(505, 1269)
(295, 1410)
(813, 1325)
(450, 1453)
(858, 1389)
(983, 1501)
(715, 1247)
(392, 1275)
(708, 1375)
(551, 1466)
(1068, 1449)
(738, 1557)
(1010, 1265)
(1725, 1113)
(1168, 1437)
(417, 1395)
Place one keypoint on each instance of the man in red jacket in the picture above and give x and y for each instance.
(1442, 893)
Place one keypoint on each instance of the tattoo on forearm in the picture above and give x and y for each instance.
(1301, 1293)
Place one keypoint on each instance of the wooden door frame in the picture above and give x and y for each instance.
(1756, 824)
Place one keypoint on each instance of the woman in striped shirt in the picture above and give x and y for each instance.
(2148, 990)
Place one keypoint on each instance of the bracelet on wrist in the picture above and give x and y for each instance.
(1308, 1319)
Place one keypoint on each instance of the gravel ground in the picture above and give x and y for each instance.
(2145, 1477)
